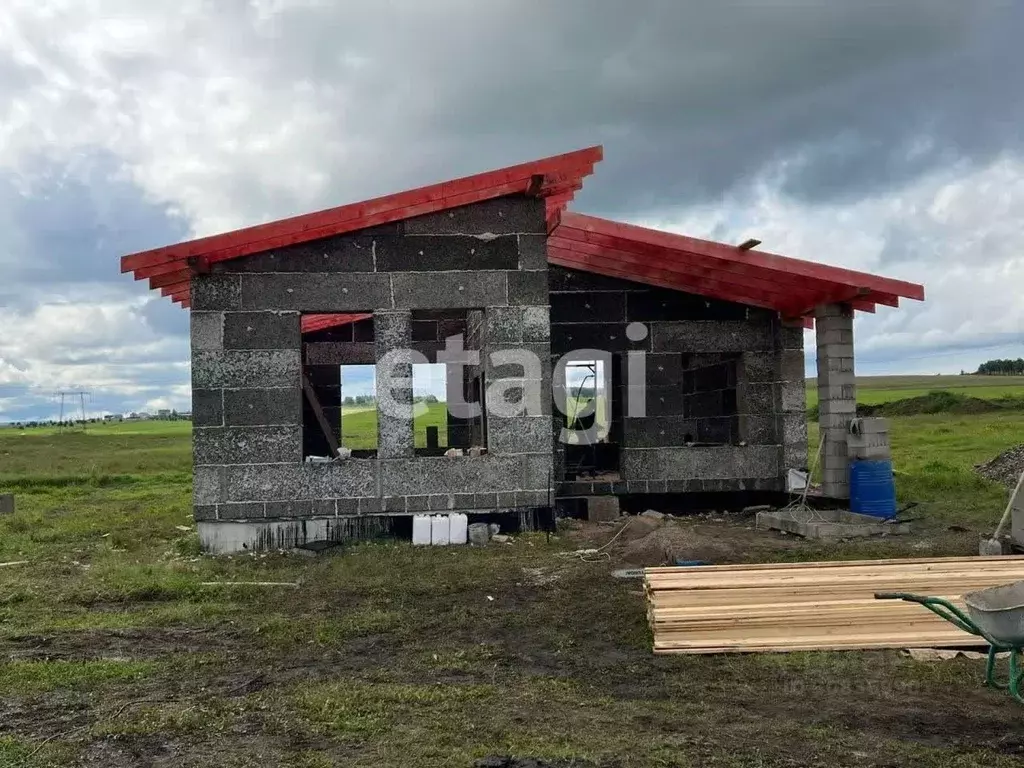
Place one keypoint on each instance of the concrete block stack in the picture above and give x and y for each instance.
(869, 439)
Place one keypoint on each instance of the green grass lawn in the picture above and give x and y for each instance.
(114, 653)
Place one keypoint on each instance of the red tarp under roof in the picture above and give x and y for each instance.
(715, 270)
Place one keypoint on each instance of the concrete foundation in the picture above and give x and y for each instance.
(828, 524)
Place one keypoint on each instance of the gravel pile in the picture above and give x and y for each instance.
(1004, 468)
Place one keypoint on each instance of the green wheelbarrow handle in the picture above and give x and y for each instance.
(942, 608)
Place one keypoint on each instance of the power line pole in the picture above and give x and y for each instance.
(82, 396)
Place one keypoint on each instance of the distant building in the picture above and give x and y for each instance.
(164, 413)
(113, 417)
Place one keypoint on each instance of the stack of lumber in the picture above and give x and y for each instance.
(814, 606)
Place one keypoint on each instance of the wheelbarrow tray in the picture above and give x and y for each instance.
(999, 612)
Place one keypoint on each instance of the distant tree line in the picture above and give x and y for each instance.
(1002, 367)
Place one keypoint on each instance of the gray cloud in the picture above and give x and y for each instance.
(876, 135)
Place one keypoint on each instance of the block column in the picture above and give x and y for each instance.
(393, 333)
(837, 394)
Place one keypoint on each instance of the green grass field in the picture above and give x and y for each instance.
(873, 390)
(114, 652)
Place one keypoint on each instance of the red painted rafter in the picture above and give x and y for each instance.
(763, 259)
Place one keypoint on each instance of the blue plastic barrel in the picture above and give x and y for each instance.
(872, 490)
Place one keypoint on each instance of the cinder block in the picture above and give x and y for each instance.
(759, 430)
(501, 216)
(837, 310)
(794, 397)
(316, 292)
(339, 353)
(288, 509)
(528, 288)
(449, 290)
(262, 330)
(207, 330)
(263, 407)
(204, 512)
(351, 252)
(846, 407)
(246, 445)
(485, 500)
(504, 324)
(708, 462)
(287, 482)
(246, 368)
(696, 336)
(414, 253)
(208, 486)
(603, 508)
(522, 434)
(791, 366)
(246, 511)
(536, 324)
(758, 399)
(207, 407)
(442, 474)
(533, 251)
(758, 367)
(791, 336)
(215, 293)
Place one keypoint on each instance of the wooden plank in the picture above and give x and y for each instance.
(813, 606)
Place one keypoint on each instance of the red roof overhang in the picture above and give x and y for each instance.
(556, 179)
(716, 270)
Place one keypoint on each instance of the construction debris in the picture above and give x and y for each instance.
(813, 606)
(828, 523)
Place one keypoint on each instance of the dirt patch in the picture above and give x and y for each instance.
(672, 543)
(496, 761)
(136, 643)
(1004, 468)
(647, 542)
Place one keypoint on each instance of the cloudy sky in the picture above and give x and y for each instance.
(884, 136)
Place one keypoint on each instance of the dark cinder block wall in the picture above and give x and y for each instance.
(725, 398)
(247, 364)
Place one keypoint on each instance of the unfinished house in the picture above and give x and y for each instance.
(665, 364)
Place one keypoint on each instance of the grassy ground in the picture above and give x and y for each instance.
(359, 426)
(114, 653)
(872, 390)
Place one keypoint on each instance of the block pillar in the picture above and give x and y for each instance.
(837, 394)
(393, 333)
(326, 383)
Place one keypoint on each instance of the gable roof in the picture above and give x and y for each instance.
(715, 270)
(556, 179)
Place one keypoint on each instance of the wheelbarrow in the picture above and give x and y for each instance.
(995, 614)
